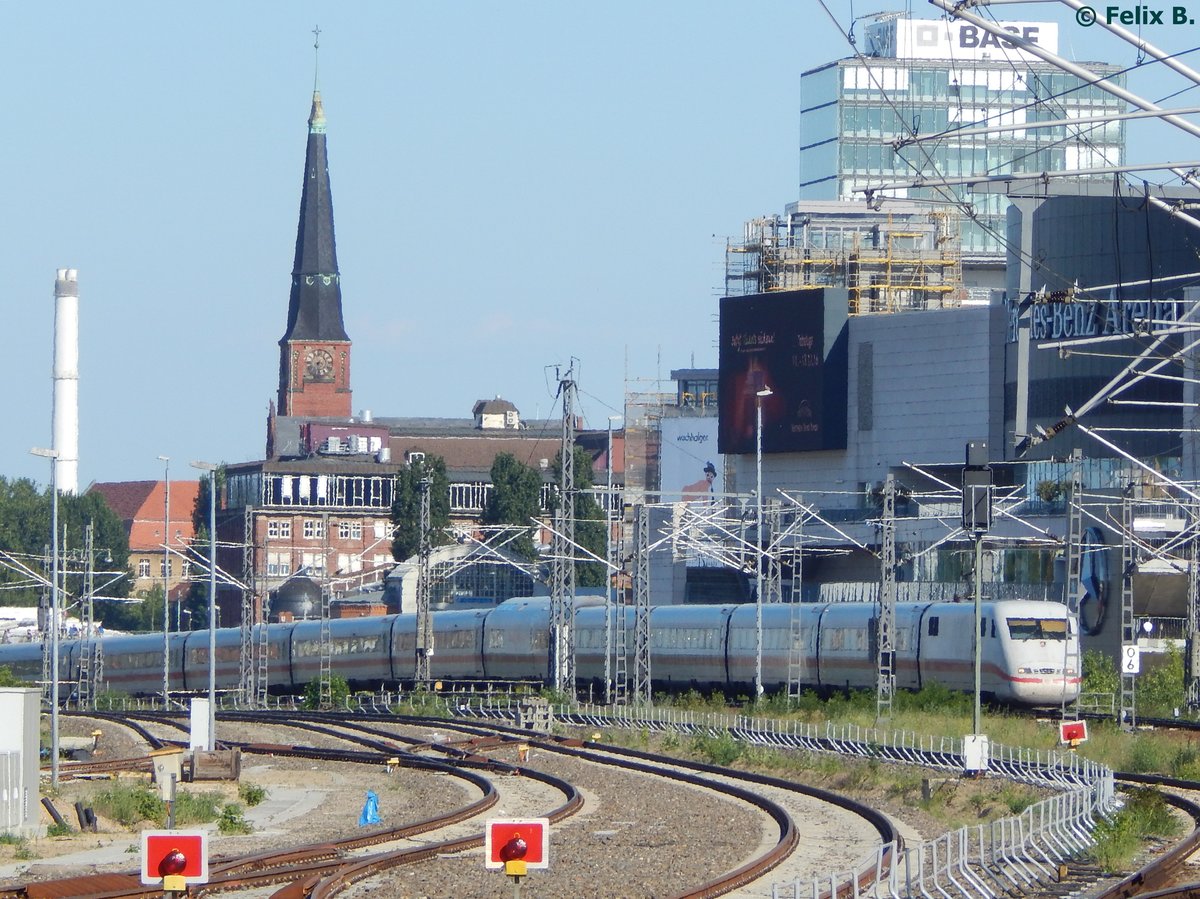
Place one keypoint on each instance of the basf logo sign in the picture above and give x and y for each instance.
(792, 343)
(959, 41)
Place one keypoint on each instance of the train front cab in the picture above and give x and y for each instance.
(1036, 643)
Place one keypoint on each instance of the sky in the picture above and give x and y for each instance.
(517, 188)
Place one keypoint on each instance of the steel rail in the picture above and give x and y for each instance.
(315, 859)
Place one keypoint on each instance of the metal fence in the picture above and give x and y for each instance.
(978, 862)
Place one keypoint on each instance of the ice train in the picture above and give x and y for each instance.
(1030, 650)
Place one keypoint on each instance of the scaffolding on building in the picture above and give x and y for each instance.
(888, 266)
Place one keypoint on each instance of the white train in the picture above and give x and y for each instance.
(1030, 649)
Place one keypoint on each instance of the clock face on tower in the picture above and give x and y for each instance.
(318, 366)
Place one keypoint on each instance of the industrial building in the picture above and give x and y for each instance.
(919, 77)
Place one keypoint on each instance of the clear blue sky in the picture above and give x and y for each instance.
(513, 184)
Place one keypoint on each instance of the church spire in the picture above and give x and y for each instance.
(314, 365)
(315, 309)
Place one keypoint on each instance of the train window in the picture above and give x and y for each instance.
(933, 626)
(1037, 628)
(993, 628)
(539, 640)
(983, 627)
(495, 639)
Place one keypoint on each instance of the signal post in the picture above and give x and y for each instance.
(977, 521)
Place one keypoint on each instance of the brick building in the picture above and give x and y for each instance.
(142, 508)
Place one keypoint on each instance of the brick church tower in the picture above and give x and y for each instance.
(314, 358)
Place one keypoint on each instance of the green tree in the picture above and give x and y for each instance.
(515, 500)
(406, 509)
(196, 601)
(25, 516)
(589, 519)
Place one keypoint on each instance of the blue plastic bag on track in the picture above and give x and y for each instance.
(370, 812)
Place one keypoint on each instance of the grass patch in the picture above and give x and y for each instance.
(232, 821)
(131, 804)
(59, 830)
(723, 749)
(1119, 839)
(251, 794)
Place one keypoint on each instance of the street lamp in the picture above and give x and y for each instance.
(758, 549)
(212, 599)
(166, 562)
(52, 455)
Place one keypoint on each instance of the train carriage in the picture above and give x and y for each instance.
(687, 646)
(358, 651)
(516, 639)
(458, 645)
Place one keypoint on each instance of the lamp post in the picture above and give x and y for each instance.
(52, 455)
(212, 599)
(758, 550)
(166, 562)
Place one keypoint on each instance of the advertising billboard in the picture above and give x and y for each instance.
(794, 344)
(690, 467)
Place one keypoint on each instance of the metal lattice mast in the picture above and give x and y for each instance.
(620, 683)
(326, 676)
(885, 622)
(772, 568)
(641, 605)
(46, 620)
(1128, 718)
(262, 678)
(1193, 605)
(424, 614)
(246, 658)
(1075, 533)
(86, 687)
(562, 586)
(797, 654)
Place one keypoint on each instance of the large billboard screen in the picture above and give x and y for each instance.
(794, 343)
(690, 468)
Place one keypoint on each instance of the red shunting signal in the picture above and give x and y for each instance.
(174, 862)
(514, 849)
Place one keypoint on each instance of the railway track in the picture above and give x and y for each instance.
(324, 869)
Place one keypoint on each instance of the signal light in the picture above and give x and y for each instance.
(514, 849)
(517, 844)
(172, 859)
(174, 862)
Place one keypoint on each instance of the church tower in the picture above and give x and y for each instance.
(314, 359)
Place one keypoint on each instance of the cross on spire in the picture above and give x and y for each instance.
(316, 53)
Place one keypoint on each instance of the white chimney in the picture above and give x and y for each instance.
(65, 423)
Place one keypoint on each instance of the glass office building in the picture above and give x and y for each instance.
(928, 77)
